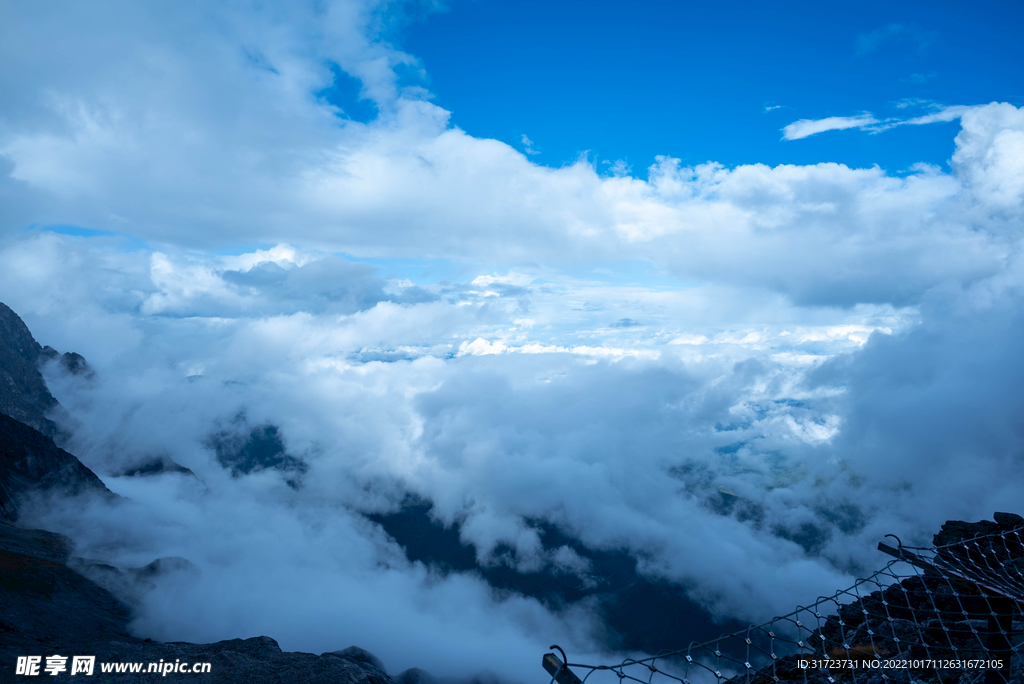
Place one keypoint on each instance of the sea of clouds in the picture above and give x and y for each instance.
(743, 376)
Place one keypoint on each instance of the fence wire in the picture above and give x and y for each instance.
(953, 617)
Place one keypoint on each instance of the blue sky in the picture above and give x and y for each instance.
(790, 266)
(694, 80)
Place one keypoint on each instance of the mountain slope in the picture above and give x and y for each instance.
(23, 392)
(31, 463)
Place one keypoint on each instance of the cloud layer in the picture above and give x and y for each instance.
(224, 141)
(743, 377)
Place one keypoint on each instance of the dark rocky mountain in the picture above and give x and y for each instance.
(23, 392)
(70, 361)
(32, 464)
(154, 465)
(245, 449)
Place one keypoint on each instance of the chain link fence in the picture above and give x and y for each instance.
(945, 614)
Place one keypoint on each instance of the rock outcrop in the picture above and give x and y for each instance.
(23, 392)
(154, 465)
(46, 604)
(31, 463)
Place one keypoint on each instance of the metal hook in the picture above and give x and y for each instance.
(556, 647)
(898, 542)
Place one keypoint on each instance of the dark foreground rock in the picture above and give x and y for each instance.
(45, 603)
(49, 609)
(255, 660)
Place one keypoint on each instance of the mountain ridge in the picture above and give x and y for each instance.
(24, 395)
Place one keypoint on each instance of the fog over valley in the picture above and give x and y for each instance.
(382, 380)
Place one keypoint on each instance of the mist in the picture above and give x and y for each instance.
(741, 378)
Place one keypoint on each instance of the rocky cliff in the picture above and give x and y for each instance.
(32, 464)
(23, 392)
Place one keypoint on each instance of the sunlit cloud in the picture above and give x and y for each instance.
(742, 376)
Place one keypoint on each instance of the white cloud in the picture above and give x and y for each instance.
(168, 153)
(943, 115)
(821, 341)
(511, 278)
(528, 146)
(808, 127)
(989, 159)
(481, 347)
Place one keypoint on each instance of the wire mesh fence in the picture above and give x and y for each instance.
(945, 614)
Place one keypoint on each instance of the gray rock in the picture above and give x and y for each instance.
(31, 464)
(257, 660)
(415, 675)
(23, 392)
(245, 449)
(75, 364)
(130, 585)
(45, 603)
(161, 567)
(956, 531)
(1008, 519)
(359, 655)
(39, 543)
(154, 465)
